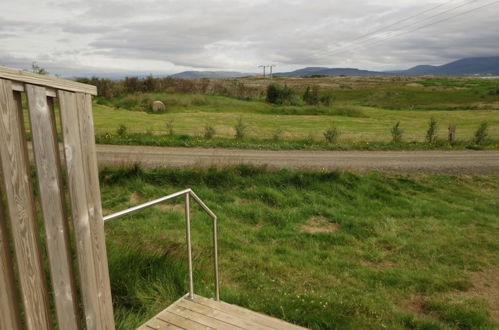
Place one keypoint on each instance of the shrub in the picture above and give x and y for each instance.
(35, 68)
(240, 129)
(272, 93)
(331, 134)
(121, 130)
(494, 91)
(277, 135)
(199, 100)
(451, 137)
(396, 132)
(431, 133)
(279, 95)
(135, 102)
(311, 95)
(209, 131)
(481, 133)
(327, 98)
(169, 128)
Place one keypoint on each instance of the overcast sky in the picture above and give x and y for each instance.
(70, 37)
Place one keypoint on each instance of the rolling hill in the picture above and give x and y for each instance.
(462, 67)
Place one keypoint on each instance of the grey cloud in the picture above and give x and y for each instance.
(240, 34)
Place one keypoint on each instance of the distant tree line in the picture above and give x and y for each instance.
(235, 88)
(283, 95)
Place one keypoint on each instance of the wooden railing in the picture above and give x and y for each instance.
(24, 293)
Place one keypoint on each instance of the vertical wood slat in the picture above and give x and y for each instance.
(9, 310)
(87, 135)
(51, 194)
(91, 258)
(15, 168)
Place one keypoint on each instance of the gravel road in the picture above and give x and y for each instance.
(452, 162)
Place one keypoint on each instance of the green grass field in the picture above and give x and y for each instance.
(367, 124)
(326, 250)
(364, 109)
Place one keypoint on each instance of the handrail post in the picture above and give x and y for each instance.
(215, 257)
(189, 245)
(188, 193)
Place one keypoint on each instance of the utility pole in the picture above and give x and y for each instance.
(263, 66)
(270, 67)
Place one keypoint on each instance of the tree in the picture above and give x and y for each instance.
(35, 68)
(311, 95)
(396, 132)
(279, 95)
(431, 133)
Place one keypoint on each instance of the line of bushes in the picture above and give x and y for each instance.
(283, 95)
(276, 143)
(330, 134)
(480, 135)
(234, 88)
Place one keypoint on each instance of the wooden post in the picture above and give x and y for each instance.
(452, 133)
(48, 168)
(25, 232)
(9, 309)
(83, 182)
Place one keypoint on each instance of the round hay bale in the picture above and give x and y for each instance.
(157, 106)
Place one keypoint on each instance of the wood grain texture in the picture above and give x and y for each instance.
(180, 321)
(9, 306)
(15, 168)
(203, 319)
(203, 313)
(80, 212)
(158, 325)
(51, 194)
(47, 81)
(222, 316)
(92, 190)
(19, 87)
(246, 314)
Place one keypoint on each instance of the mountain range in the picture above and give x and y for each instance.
(210, 74)
(462, 67)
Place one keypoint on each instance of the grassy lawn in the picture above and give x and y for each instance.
(324, 250)
(367, 125)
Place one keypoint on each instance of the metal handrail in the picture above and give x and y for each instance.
(188, 193)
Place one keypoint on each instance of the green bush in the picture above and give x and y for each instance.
(431, 133)
(481, 133)
(199, 100)
(209, 131)
(396, 133)
(121, 130)
(135, 101)
(327, 98)
(169, 128)
(240, 129)
(311, 95)
(331, 134)
(280, 95)
(277, 135)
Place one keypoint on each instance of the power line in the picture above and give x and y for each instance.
(372, 42)
(399, 21)
(369, 38)
(434, 23)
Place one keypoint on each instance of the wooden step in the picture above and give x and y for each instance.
(204, 313)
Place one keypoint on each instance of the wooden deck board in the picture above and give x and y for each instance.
(203, 313)
(156, 324)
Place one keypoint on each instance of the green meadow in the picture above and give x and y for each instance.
(356, 123)
(325, 250)
(363, 110)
